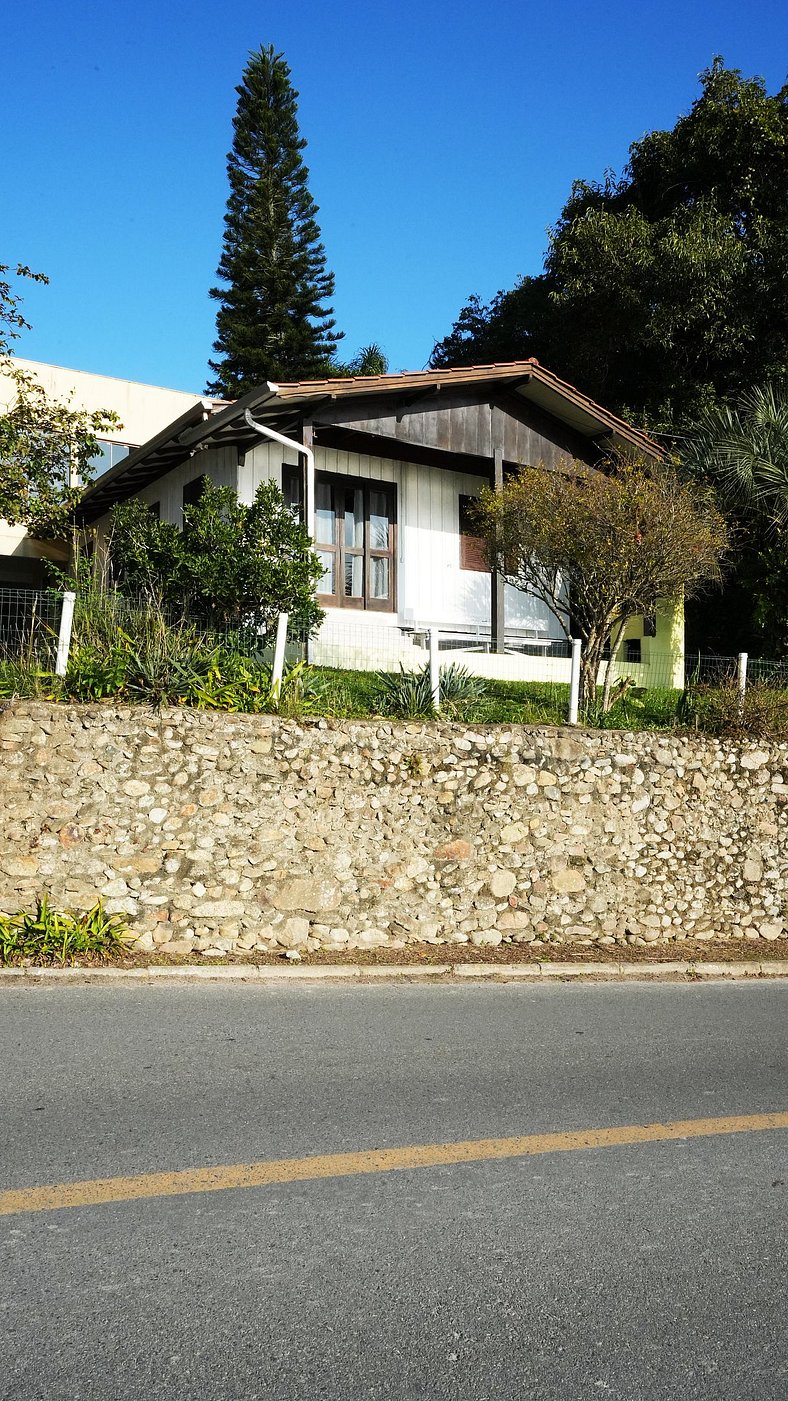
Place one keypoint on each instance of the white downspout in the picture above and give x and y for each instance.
(309, 491)
(309, 502)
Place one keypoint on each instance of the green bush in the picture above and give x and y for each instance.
(234, 566)
(93, 674)
(50, 936)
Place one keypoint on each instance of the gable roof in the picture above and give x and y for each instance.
(214, 423)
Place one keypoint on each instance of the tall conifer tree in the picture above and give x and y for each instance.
(273, 322)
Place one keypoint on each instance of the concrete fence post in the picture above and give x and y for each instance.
(64, 635)
(574, 682)
(278, 667)
(435, 671)
(741, 674)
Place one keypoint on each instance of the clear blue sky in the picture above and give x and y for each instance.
(442, 141)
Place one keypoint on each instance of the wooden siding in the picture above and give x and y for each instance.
(220, 464)
(449, 424)
(431, 586)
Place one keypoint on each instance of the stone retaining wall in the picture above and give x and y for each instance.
(235, 832)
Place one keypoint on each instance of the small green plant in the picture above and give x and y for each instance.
(22, 680)
(47, 935)
(406, 694)
(94, 674)
(416, 766)
(303, 691)
(458, 686)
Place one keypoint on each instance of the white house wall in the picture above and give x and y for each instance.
(220, 464)
(143, 411)
(431, 587)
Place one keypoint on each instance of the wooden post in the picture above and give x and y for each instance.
(497, 585)
(308, 439)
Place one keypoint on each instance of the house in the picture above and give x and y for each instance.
(142, 410)
(385, 470)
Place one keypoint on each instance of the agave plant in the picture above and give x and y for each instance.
(408, 694)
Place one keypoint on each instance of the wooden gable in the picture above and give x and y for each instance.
(437, 429)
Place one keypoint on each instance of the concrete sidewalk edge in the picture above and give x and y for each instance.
(526, 972)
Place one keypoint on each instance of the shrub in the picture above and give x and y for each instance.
(94, 674)
(233, 566)
(761, 713)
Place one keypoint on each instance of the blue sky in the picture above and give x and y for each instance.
(442, 142)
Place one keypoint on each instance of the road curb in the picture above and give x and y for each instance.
(403, 972)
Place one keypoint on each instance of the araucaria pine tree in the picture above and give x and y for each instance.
(274, 322)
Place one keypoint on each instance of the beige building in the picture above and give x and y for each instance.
(143, 411)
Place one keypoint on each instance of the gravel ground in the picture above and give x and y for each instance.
(684, 950)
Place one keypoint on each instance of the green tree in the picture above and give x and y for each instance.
(12, 322)
(45, 444)
(743, 447)
(273, 322)
(369, 360)
(600, 547)
(233, 566)
(666, 289)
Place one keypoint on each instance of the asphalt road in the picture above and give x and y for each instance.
(637, 1272)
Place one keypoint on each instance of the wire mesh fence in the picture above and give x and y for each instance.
(523, 664)
(773, 674)
(372, 646)
(29, 626)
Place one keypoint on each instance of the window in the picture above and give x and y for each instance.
(193, 491)
(472, 549)
(155, 510)
(632, 650)
(107, 455)
(293, 489)
(650, 625)
(355, 537)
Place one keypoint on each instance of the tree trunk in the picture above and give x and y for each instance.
(614, 645)
(590, 659)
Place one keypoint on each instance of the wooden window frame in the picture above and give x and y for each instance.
(340, 482)
(473, 556)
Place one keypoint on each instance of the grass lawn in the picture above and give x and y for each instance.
(354, 695)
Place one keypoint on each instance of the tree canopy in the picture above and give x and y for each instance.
(601, 547)
(369, 360)
(742, 447)
(664, 289)
(46, 445)
(274, 321)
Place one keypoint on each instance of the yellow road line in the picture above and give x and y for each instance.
(98, 1191)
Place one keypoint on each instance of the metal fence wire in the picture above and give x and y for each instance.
(30, 621)
(29, 626)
